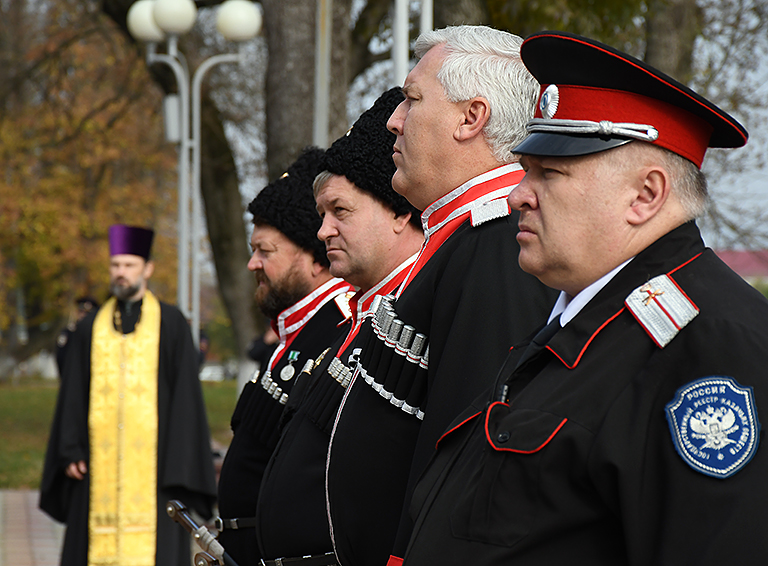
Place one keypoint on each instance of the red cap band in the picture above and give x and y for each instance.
(679, 131)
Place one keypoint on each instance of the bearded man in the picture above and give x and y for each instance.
(130, 430)
(305, 305)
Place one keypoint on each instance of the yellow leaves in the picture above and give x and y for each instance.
(81, 148)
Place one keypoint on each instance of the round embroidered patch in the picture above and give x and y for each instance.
(714, 425)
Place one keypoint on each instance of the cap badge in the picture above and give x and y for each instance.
(550, 98)
(714, 425)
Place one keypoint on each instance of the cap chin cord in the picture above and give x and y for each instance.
(605, 128)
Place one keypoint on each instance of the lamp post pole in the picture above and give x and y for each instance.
(197, 206)
(152, 21)
(182, 82)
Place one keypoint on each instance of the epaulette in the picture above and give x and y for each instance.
(482, 212)
(342, 301)
(661, 308)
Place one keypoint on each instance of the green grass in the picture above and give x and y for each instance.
(220, 399)
(26, 412)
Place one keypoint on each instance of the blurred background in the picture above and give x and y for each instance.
(94, 129)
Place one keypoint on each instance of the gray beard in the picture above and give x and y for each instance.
(123, 292)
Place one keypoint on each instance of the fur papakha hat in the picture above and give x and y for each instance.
(288, 204)
(364, 154)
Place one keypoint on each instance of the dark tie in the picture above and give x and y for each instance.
(540, 341)
(515, 383)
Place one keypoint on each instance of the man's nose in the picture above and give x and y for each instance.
(395, 122)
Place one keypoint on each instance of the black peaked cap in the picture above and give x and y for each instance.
(562, 58)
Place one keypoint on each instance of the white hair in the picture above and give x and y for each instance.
(482, 61)
(689, 184)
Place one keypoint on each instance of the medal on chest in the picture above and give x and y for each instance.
(287, 373)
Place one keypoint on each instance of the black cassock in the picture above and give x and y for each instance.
(185, 464)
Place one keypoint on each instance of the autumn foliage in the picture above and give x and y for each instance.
(81, 147)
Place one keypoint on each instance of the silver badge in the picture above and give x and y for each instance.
(550, 98)
(287, 373)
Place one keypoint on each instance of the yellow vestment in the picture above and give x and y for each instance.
(122, 424)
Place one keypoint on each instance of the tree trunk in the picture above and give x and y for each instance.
(224, 215)
(341, 45)
(671, 30)
(456, 12)
(289, 27)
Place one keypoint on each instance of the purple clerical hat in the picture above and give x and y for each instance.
(130, 240)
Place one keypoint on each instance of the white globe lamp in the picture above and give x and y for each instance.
(175, 17)
(141, 22)
(238, 20)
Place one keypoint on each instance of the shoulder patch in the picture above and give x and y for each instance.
(661, 308)
(714, 425)
(489, 210)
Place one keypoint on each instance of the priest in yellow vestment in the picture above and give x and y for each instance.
(130, 430)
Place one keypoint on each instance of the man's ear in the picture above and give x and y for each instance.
(653, 189)
(400, 222)
(149, 269)
(476, 113)
(317, 268)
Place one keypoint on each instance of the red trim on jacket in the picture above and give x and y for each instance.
(669, 274)
(444, 216)
(488, 434)
(290, 322)
(584, 349)
(458, 426)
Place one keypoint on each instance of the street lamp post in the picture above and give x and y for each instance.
(154, 21)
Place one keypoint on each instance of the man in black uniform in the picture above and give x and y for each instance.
(305, 304)
(632, 435)
(130, 430)
(372, 236)
(83, 306)
(417, 361)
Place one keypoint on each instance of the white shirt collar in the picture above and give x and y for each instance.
(568, 307)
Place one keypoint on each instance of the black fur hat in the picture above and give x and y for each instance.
(364, 154)
(289, 205)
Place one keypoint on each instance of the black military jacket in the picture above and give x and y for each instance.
(602, 456)
(472, 302)
(255, 426)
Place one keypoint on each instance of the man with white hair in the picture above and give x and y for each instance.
(463, 303)
(627, 431)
